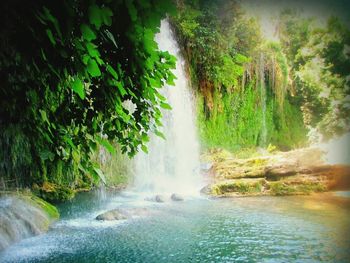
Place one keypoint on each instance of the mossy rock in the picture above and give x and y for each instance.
(53, 192)
(28, 196)
(23, 215)
(47, 207)
(244, 186)
(302, 188)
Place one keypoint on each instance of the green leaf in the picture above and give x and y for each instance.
(111, 37)
(132, 10)
(95, 16)
(46, 155)
(160, 134)
(87, 32)
(92, 50)
(106, 14)
(100, 174)
(144, 137)
(144, 148)
(160, 97)
(50, 36)
(121, 89)
(105, 143)
(69, 141)
(171, 78)
(93, 68)
(165, 105)
(78, 87)
(85, 59)
(112, 72)
(44, 116)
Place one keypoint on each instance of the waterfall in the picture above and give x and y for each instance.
(172, 165)
(263, 137)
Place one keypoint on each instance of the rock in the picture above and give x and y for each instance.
(176, 197)
(159, 198)
(23, 215)
(156, 198)
(277, 173)
(205, 167)
(206, 190)
(122, 214)
(111, 215)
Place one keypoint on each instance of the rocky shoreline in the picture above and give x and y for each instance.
(298, 172)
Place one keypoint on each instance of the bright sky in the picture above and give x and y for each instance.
(267, 10)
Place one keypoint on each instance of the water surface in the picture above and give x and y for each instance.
(251, 229)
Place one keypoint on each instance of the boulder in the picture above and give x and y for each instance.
(176, 197)
(156, 198)
(23, 215)
(159, 198)
(111, 215)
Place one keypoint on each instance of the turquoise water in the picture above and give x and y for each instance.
(252, 229)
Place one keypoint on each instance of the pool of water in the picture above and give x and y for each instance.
(250, 229)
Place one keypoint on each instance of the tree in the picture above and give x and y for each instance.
(74, 75)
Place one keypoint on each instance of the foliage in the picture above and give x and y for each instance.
(234, 68)
(67, 69)
(115, 167)
(320, 59)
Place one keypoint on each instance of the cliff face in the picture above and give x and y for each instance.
(22, 216)
(301, 171)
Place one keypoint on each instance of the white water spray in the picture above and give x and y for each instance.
(172, 165)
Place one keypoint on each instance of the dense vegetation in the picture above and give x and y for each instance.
(76, 76)
(319, 59)
(80, 84)
(254, 92)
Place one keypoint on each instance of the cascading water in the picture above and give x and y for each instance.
(263, 137)
(172, 165)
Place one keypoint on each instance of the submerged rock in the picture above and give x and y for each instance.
(176, 197)
(159, 198)
(122, 214)
(22, 216)
(156, 198)
(114, 214)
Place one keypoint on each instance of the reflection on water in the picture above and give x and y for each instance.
(255, 229)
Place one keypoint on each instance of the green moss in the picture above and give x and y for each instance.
(285, 188)
(238, 186)
(53, 192)
(47, 207)
(28, 196)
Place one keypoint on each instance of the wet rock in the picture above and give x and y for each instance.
(122, 214)
(205, 167)
(176, 197)
(277, 173)
(23, 216)
(159, 198)
(111, 215)
(206, 190)
(156, 198)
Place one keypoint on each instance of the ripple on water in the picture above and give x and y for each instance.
(243, 230)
